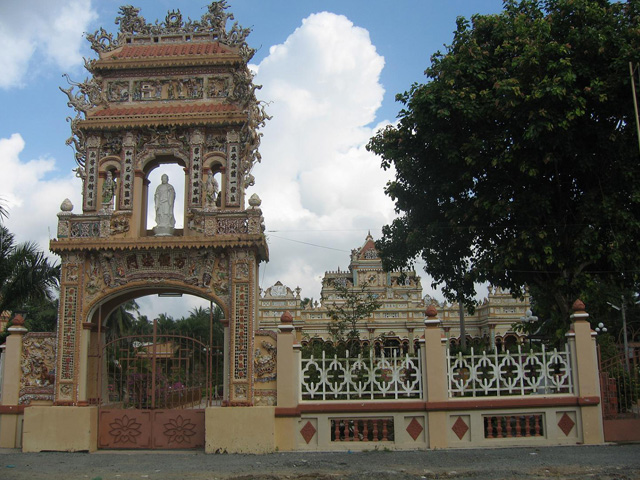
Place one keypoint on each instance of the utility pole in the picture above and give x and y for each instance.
(625, 341)
(632, 72)
(463, 333)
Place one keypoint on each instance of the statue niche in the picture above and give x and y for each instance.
(164, 200)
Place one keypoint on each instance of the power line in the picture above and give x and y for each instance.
(320, 230)
(310, 244)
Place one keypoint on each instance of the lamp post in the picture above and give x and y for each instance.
(529, 317)
(601, 328)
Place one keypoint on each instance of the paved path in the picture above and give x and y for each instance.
(606, 462)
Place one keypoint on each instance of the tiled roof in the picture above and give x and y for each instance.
(163, 110)
(170, 50)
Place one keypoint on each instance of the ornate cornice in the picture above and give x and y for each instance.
(257, 241)
(158, 59)
(122, 120)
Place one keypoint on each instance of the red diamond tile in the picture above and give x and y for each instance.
(460, 428)
(566, 424)
(414, 428)
(307, 432)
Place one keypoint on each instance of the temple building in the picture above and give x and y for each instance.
(400, 318)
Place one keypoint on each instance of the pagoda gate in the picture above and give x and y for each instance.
(176, 92)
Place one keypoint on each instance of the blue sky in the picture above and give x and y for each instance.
(329, 69)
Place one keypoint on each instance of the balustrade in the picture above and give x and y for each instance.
(513, 426)
(362, 430)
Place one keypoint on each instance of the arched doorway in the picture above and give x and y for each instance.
(155, 378)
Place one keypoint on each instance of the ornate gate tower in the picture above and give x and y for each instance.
(175, 92)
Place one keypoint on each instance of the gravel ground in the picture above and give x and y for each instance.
(607, 462)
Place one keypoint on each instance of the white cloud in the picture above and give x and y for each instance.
(41, 31)
(33, 200)
(318, 183)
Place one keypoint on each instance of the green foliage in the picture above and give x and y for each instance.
(607, 347)
(40, 316)
(26, 276)
(194, 325)
(121, 320)
(27, 281)
(517, 162)
(126, 320)
(355, 304)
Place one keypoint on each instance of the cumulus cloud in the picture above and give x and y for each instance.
(321, 190)
(46, 31)
(31, 197)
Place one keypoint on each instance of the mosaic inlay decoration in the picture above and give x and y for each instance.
(70, 296)
(193, 267)
(38, 367)
(85, 229)
(241, 331)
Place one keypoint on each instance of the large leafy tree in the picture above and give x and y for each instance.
(517, 161)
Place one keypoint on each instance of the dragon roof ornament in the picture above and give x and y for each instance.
(214, 22)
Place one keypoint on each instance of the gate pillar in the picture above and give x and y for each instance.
(582, 344)
(242, 325)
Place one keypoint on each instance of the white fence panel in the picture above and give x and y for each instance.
(502, 374)
(368, 378)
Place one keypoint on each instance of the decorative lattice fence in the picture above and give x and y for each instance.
(361, 378)
(500, 374)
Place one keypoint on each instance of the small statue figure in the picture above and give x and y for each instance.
(108, 190)
(164, 198)
(211, 191)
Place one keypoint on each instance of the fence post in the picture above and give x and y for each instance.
(582, 344)
(10, 411)
(287, 384)
(435, 378)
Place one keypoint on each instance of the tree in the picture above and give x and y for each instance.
(122, 320)
(196, 325)
(26, 276)
(42, 315)
(519, 154)
(354, 305)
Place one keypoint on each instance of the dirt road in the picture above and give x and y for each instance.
(607, 462)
